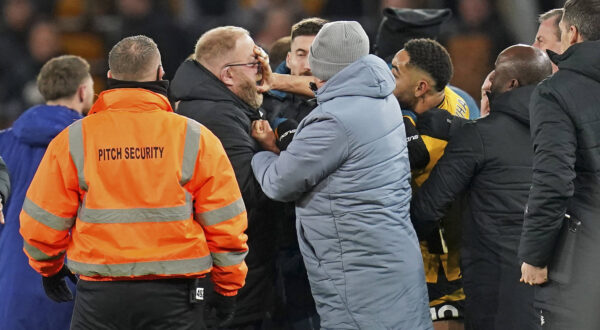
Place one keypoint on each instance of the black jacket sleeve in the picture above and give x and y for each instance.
(418, 155)
(4, 181)
(462, 159)
(232, 128)
(554, 146)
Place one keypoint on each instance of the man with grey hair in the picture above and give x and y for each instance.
(221, 87)
(347, 170)
(559, 242)
(144, 204)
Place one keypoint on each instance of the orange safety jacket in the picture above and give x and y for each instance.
(135, 191)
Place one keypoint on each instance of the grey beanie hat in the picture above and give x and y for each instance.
(337, 45)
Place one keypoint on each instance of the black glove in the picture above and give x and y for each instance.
(56, 287)
(418, 155)
(284, 132)
(224, 307)
(439, 123)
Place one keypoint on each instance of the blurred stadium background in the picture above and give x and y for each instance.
(33, 31)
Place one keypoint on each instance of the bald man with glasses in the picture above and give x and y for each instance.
(221, 87)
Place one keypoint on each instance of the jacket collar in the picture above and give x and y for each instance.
(130, 99)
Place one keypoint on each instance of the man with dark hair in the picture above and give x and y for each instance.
(422, 70)
(488, 162)
(289, 105)
(143, 203)
(559, 243)
(285, 111)
(68, 89)
(222, 88)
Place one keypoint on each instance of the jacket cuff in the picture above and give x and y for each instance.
(226, 293)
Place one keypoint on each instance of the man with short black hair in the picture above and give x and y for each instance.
(144, 204)
(559, 243)
(422, 70)
(68, 89)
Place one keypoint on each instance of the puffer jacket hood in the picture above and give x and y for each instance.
(514, 103)
(41, 123)
(369, 76)
(581, 58)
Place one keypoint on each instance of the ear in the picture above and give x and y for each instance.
(512, 84)
(574, 35)
(161, 72)
(422, 88)
(81, 93)
(226, 77)
(109, 74)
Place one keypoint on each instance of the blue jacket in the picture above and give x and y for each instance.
(347, 169)
(24, 305)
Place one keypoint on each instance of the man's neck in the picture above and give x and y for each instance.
(68, 103)
(429, 102)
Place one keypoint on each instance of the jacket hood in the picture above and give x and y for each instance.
(581, 58)
(193, 81)
(369, 76)
(40, 124)
(514, 103)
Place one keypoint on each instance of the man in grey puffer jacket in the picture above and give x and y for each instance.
(347, 169)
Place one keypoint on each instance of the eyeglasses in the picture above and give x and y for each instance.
(248, 65)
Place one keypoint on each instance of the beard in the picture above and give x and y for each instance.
(405, 104)
(248, 92)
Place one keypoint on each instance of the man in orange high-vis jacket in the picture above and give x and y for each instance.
(143, 202)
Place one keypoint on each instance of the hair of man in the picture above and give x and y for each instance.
(555, 14)
(61, 76)
(133, 58)
(431, 57)
(308, 27)
(584, 14)
(217, 44)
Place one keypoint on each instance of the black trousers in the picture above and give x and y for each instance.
(129, 305)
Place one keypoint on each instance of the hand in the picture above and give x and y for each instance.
(285, 130)
(1, 214)
(265, 69)
(485, 101)
(533, 275)
(224, 306)
(262, 132)
(56, 287)
(436, 123)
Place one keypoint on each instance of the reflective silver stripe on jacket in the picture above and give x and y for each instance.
(38, 255)
(165, 267)
(190, 151)
(137, 215)
(213, 217)
(42, 216)
(76, 151)
(228, 258)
